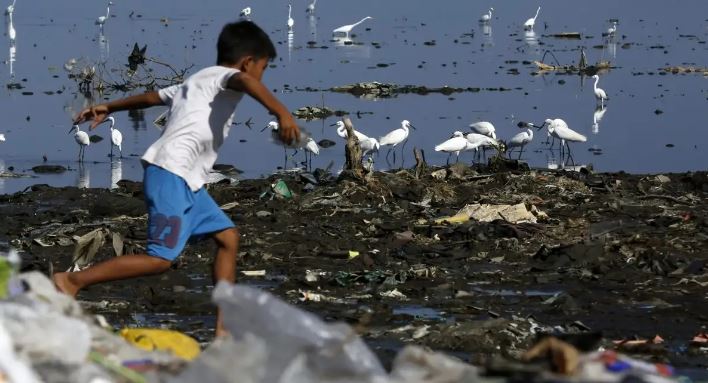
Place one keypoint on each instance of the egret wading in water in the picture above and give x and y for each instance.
(300, 143)
(395, 137)
(559, 129)
(529, 24)
(369, 145)
(245, 13)
(311, 147)
(82, 138)
(477, 141)
(487, 17)
(291, 22)
(10, 8)
(346, 29)
(484, 127)
(2, 137)
(342, 132)
(456, 144)
(311, 8)
(519, 141)
(101, 20)
(600, 94)
(11, 33)
(611, 31)
(116, 136)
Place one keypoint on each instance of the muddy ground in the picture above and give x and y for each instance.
(620, 254)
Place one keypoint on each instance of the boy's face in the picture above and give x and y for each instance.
(254, 66)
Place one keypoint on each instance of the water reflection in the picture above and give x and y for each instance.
(291, 42)
(116, 172)
(312, 19)
(12, 58)
(2, 179)
(487, 40)
(597, 117)
(103, 47)
(530, 37)
(83, 181)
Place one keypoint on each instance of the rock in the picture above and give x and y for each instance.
(263, 213)
(662, 179)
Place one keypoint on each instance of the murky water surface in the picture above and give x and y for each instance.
(651, 123)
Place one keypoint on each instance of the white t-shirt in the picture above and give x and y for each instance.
(201, 111)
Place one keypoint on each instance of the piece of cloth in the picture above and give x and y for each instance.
(176, 213)
(200, 116)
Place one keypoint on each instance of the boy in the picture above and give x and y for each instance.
(178, 163)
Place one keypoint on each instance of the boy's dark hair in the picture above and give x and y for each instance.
(240, 39)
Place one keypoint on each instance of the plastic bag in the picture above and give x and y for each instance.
(301, 347)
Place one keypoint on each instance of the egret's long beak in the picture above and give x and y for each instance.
(335, 124)
(266, 127)
(411, 125)
(71, 129)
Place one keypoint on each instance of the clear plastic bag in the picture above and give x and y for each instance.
(300, 346)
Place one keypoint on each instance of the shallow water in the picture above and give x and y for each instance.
(630, 135)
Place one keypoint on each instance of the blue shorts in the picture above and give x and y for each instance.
(175, 213)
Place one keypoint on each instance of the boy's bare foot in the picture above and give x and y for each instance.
(64, 285)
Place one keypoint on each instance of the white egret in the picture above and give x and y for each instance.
(245, 13)
(82, 138)
(297, 144)
(600, 94)
(102, 19)
(368, 145)
(10, 8)
(559, 129)
(477, 141)
(611, 31)
(342, 132)
(116, 136)
(312, 147)
(395, 137)
(484, 127)
(291, 22)
(456, 144)
(311, 8)
(345, 29)
(2, 137)
(529, 24)
(487, 16)
(11, 33)
(520, 140)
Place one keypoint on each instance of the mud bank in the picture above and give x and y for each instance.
(618, 254)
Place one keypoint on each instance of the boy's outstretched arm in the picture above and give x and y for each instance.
(243, 82)
(98, 113)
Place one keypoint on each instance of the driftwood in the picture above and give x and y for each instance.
(352, 151)
(420, 165)
(582, 67)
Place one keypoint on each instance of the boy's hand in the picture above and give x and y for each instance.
(289, 132)
(96, 114)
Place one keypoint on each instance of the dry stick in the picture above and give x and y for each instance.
(420, 165)
(352, 151)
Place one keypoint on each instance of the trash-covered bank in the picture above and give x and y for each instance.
(473, 263)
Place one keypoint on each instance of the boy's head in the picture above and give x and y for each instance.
(243, 39)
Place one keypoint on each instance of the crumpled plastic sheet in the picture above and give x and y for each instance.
(87, 246)
(302, 348)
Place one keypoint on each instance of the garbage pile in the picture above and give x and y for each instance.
(46, 337)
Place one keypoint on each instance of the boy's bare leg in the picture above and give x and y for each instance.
(123, 267)
(225, 265)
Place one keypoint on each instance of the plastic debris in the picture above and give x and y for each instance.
(308, 350)
(86, 248)
(174, 342)
(486, 213)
